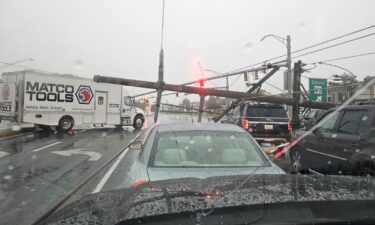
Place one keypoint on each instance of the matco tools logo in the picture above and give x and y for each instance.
(84, 94)
(6, 92)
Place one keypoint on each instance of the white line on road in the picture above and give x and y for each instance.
(109, 172)
(47, 146)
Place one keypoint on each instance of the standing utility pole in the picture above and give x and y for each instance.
(289, 74)
(296, 94)
(160, 83)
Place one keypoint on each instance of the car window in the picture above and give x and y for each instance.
(351, 121)
(206, 149)
(256, 111)
(311, 115)
(128, 101)
(327, 123)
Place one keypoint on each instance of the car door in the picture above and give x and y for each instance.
(318, 145)
(347, 142)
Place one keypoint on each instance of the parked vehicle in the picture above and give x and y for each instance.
(312, 117)
(342, 143)
(265, 122)
(198, 150)
(62, 101)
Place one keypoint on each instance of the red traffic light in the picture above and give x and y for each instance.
(201, 82)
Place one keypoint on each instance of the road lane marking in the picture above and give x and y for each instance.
(333, 156)
(3, 154)
(94, 156)
(17, 135)
(104, 180)
(47, 146)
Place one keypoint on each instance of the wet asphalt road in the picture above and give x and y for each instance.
(41, 168)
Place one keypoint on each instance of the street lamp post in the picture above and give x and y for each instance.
(287, 42)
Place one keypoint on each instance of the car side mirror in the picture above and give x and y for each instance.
(308, 126)
(137, 145)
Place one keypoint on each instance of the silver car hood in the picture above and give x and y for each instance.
(159, 173)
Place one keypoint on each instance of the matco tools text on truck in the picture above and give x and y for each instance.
(62, 101)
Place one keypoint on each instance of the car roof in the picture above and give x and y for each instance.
(365, 106)
(198, 126)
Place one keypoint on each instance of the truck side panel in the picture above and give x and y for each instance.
(48, 98)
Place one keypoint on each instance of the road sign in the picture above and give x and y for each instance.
(318, 89)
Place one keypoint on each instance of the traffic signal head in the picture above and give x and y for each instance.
(245, 76)
(201, 82)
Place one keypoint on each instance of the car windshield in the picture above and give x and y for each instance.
(206, 149)
(114, 96)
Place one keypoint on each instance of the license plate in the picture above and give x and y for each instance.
(268, 127)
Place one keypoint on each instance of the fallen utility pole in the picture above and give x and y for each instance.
(208, 91)
(187, 108)
(253, 88)
(225, 75)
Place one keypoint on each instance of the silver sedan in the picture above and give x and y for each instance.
(197, 150)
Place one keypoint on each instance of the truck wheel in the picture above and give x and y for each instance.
(66, 123)
(138, 122)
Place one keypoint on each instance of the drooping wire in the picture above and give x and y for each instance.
(346, 57)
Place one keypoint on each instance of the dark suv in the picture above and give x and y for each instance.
(343, 142)
(265, 122)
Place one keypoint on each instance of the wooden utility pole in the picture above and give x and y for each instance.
(296, 94)
(209, 91)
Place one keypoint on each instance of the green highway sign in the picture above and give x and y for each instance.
(318, 90)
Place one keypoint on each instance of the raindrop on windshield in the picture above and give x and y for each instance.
(357, 150)
(33, 156)
(186, 147)
(329, 162)
(232, 137)
(78, 64)
(10, 167)
(340, 172)
(23, 203)
(364, 118)
(334, 135)
(248, 47)
(373, 157)
(345, 150)
(16, 128)
(192, 142)
(104, 134)
(302, 26)
(209, 150)
(7, 177)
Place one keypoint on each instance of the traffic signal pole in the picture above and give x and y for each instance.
(289, 74)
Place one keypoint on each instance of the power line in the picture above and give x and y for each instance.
(346, 57)
(308, 47)
(335, 45)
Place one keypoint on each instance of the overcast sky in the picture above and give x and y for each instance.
(122, 38)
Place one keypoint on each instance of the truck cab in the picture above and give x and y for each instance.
(131, 115)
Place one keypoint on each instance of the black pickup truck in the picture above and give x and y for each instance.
(265, 122)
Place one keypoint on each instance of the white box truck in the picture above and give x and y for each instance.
(62, 101)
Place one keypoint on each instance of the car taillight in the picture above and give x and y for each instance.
(290, 128)
(245, 124)
(136, 184)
